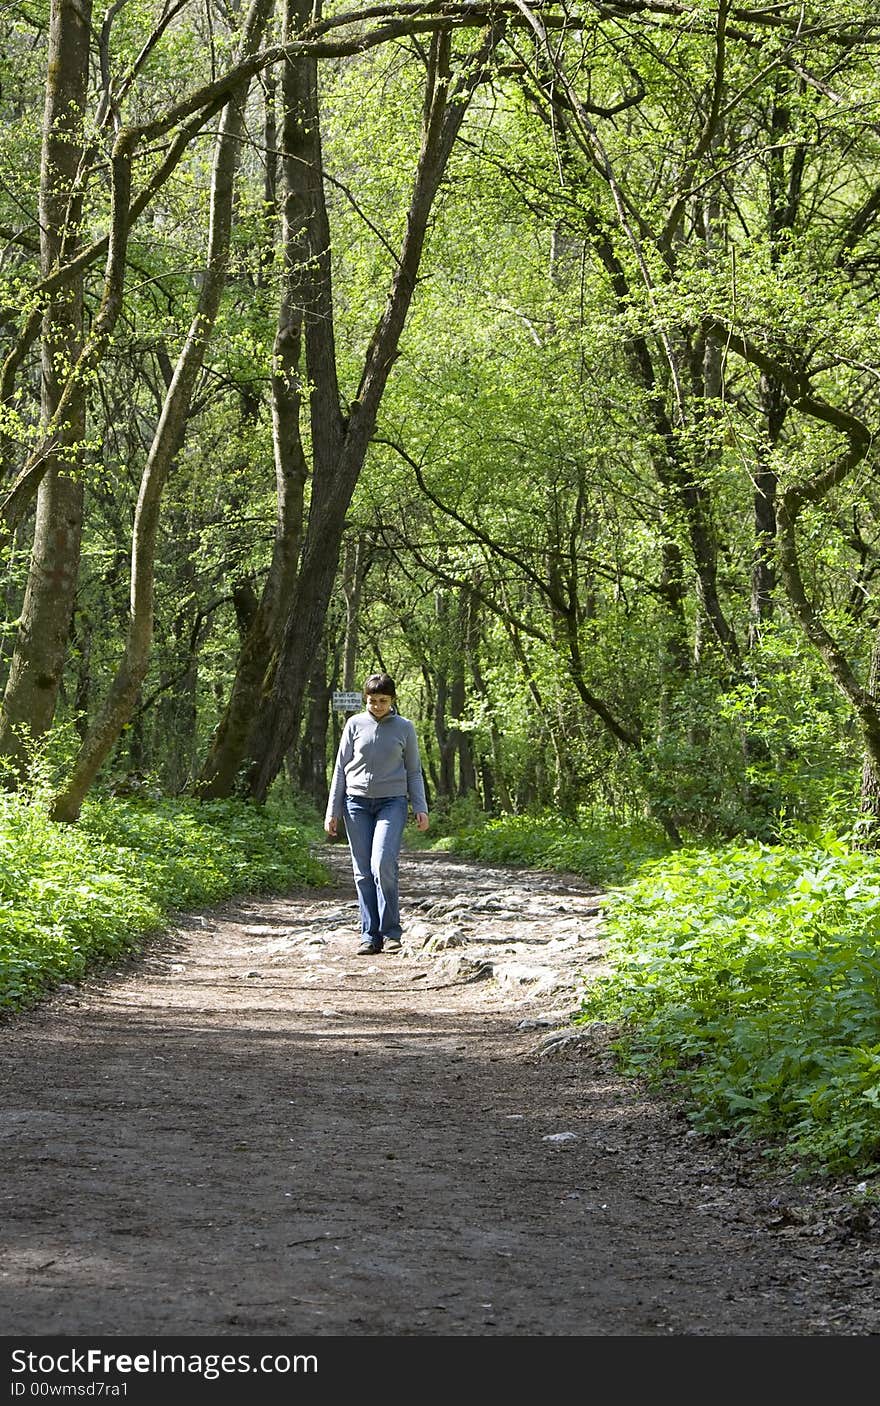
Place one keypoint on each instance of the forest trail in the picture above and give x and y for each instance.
(248, 1130)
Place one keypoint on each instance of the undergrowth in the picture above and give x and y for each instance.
(747, 978)
(73, 896)
(601, 851)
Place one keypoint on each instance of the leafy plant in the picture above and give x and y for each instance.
(592, 846)
(72, 897)
(748, 979)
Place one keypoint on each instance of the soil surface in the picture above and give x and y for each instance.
(249, 1130)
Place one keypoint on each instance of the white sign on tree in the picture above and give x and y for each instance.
(347, 702)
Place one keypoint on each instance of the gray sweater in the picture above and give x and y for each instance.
(377, 758)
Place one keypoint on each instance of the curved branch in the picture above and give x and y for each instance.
(801, 396)
(496, 549)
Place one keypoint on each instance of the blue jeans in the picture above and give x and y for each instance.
(374, 826)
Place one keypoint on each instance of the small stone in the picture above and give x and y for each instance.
(442, 941)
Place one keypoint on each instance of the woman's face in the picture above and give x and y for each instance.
(379, 704)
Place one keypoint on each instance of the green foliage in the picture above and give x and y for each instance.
(551, 558)
(72, 897)
(748, 979)
(596, 848)
(801, 761)
(752, 757)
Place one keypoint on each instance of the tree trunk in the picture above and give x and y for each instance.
(312, 776)
(494, 776)
(766, 487)
(353, 573)
(462, 739)
(270, 180)
(41, 648)
(37, 665)
(783, 203)
(675, 660)
(167, 442)
(869, 800)
(301, 191)
(445, 740)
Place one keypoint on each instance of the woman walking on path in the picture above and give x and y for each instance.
(377, 776)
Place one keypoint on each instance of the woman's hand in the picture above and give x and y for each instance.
(332, 827)
(422, 820)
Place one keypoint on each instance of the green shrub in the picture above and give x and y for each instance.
(73, 896)
(599, 850)
(748, 978)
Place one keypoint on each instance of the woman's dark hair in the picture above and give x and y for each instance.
(380, 683)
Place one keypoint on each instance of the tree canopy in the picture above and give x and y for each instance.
(527, 351)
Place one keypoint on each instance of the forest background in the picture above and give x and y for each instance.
(528, 352)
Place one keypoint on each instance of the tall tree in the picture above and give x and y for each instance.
(167, 442)
(340, 442)
(305, 249)
(36, 669)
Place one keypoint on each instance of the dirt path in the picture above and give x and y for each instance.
(251, 1131)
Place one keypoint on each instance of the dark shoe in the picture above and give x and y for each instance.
(368, 948)
(392, 944)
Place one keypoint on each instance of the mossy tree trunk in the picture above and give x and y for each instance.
(37, 663)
